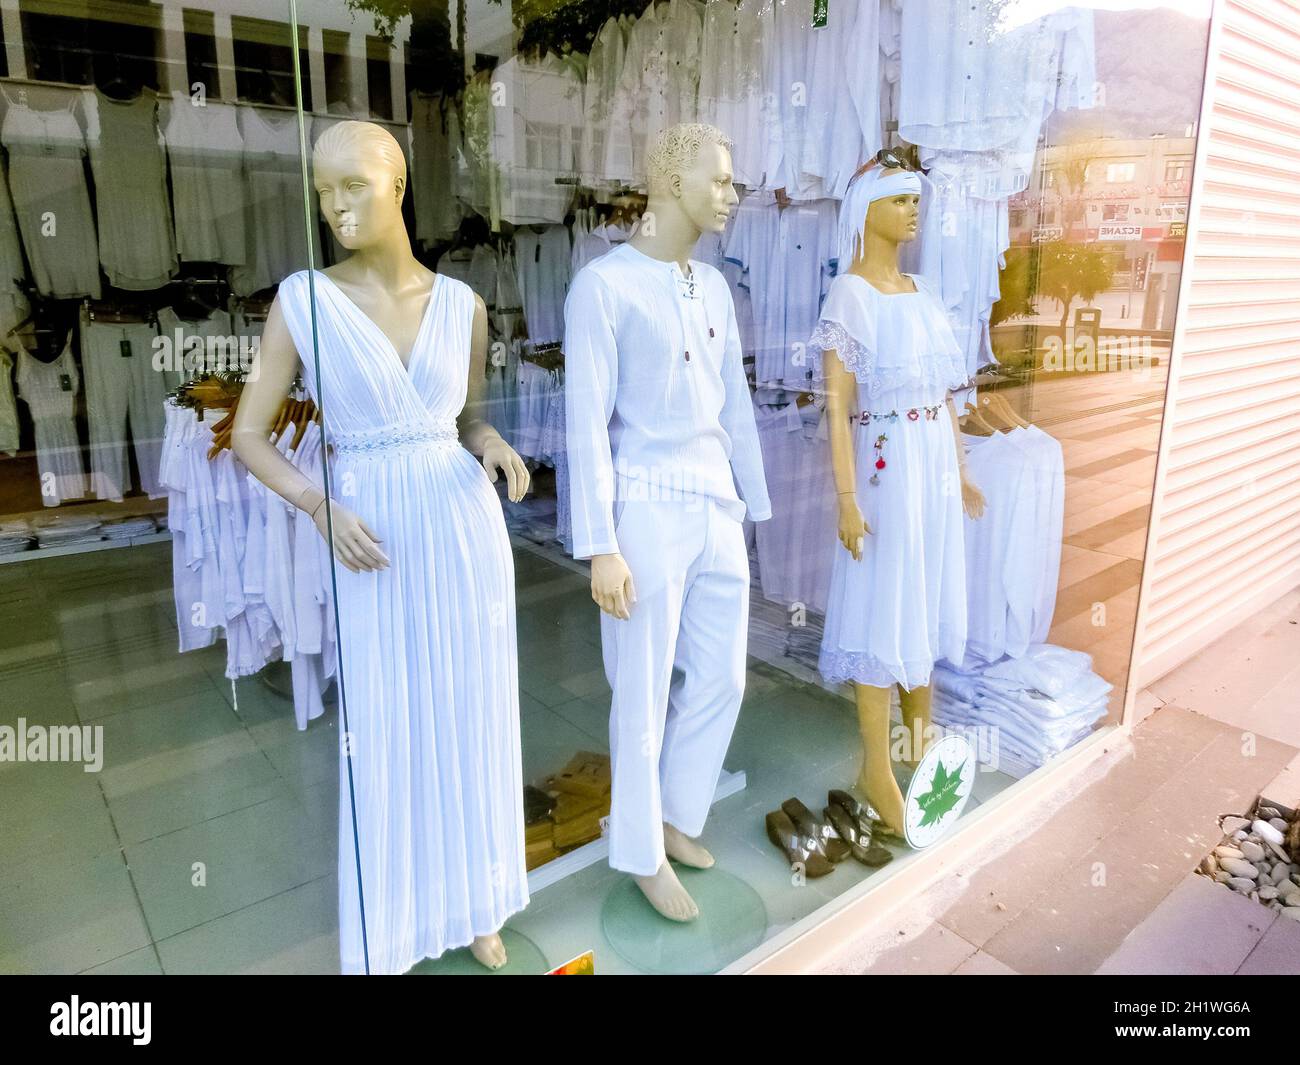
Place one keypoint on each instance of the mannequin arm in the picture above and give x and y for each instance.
(972, 499)
(477, 435)
(353, 542)
(841, 394)
(737, 418)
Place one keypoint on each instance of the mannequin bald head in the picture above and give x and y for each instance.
(360, 176)
(689, 167)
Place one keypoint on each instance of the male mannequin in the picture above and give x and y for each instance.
(664, 460)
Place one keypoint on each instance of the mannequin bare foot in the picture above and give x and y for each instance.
(489, 951)
(665, 893)
(680, 847)
(888, 801)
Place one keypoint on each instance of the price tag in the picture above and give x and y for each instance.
(124, 346)
(819, 13)
(65, 382)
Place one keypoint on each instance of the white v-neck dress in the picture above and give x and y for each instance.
(427, 649)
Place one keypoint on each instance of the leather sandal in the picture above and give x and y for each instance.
(863, 814)
(832, 847)
(863, 849)
(799, 849)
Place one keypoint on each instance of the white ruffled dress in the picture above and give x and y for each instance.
(892, 614)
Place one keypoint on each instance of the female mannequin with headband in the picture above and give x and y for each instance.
(898, 588)
(430, 777)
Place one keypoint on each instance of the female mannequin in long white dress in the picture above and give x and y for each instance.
(427, 650)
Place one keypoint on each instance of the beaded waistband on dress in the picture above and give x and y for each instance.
(388, 437)
(912, 414)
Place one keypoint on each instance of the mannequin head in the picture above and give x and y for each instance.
(360, 176)
(689, 170)
(882, 208)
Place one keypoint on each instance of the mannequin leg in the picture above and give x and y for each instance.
(489, 951)
(876, 780)
(704, 703)
(657, 540)
(915, 705)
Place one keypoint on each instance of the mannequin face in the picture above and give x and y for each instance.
(896, 219)
(705, 190)
(360, 197)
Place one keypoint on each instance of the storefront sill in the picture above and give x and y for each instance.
(811, 943)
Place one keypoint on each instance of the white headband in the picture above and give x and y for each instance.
(873, 184)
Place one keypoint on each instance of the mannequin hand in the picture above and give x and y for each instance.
(498, 455)
(972, 499)
(852, 527)
(611, 585)
(355, 543)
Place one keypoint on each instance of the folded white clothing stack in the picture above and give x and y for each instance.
(52, 533)
(128, 528)
(15, 536)
(1037, 704)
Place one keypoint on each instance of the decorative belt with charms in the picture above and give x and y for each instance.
(912, 414)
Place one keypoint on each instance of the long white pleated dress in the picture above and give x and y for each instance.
(427, 646)
(892, 614)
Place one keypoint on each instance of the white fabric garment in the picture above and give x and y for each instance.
(274, 222)
(604, 68)
(533, 387)
(785, 83)
(1013, 553)
(658, 87)
(902, 606)
(47, 177)
(13, 300)
(535, 135)
(8, 406)
(205, 151)
(733, 56)
(435, 142)
(788, 256)
(476, 266)
(796, 547)
(542, 263)
(657, 406)
(50, 392)
(137, 248)
(123, 390)
(594, 244)
(209, 344)
(667, 736)
(976, 76)
(428, 645)
(843, 106)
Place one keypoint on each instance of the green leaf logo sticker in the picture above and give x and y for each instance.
(942, 798)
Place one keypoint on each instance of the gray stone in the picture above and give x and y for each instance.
(1291, 911)
(1268, 892)
(1242, 884)
(1209, 865)
(1278, 823)
(1268, 813)
(1239, 834)
(1252, 852)
(1224, 851)
(1279, 852)
(1222, 877)
(1239, 867)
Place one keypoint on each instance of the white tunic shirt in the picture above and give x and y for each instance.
(656, 402)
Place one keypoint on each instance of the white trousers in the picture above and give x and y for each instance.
(122, 387)
(668, 736)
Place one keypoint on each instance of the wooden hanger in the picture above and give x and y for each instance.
(973, 415)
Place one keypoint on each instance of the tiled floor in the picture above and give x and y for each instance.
(208, 840)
